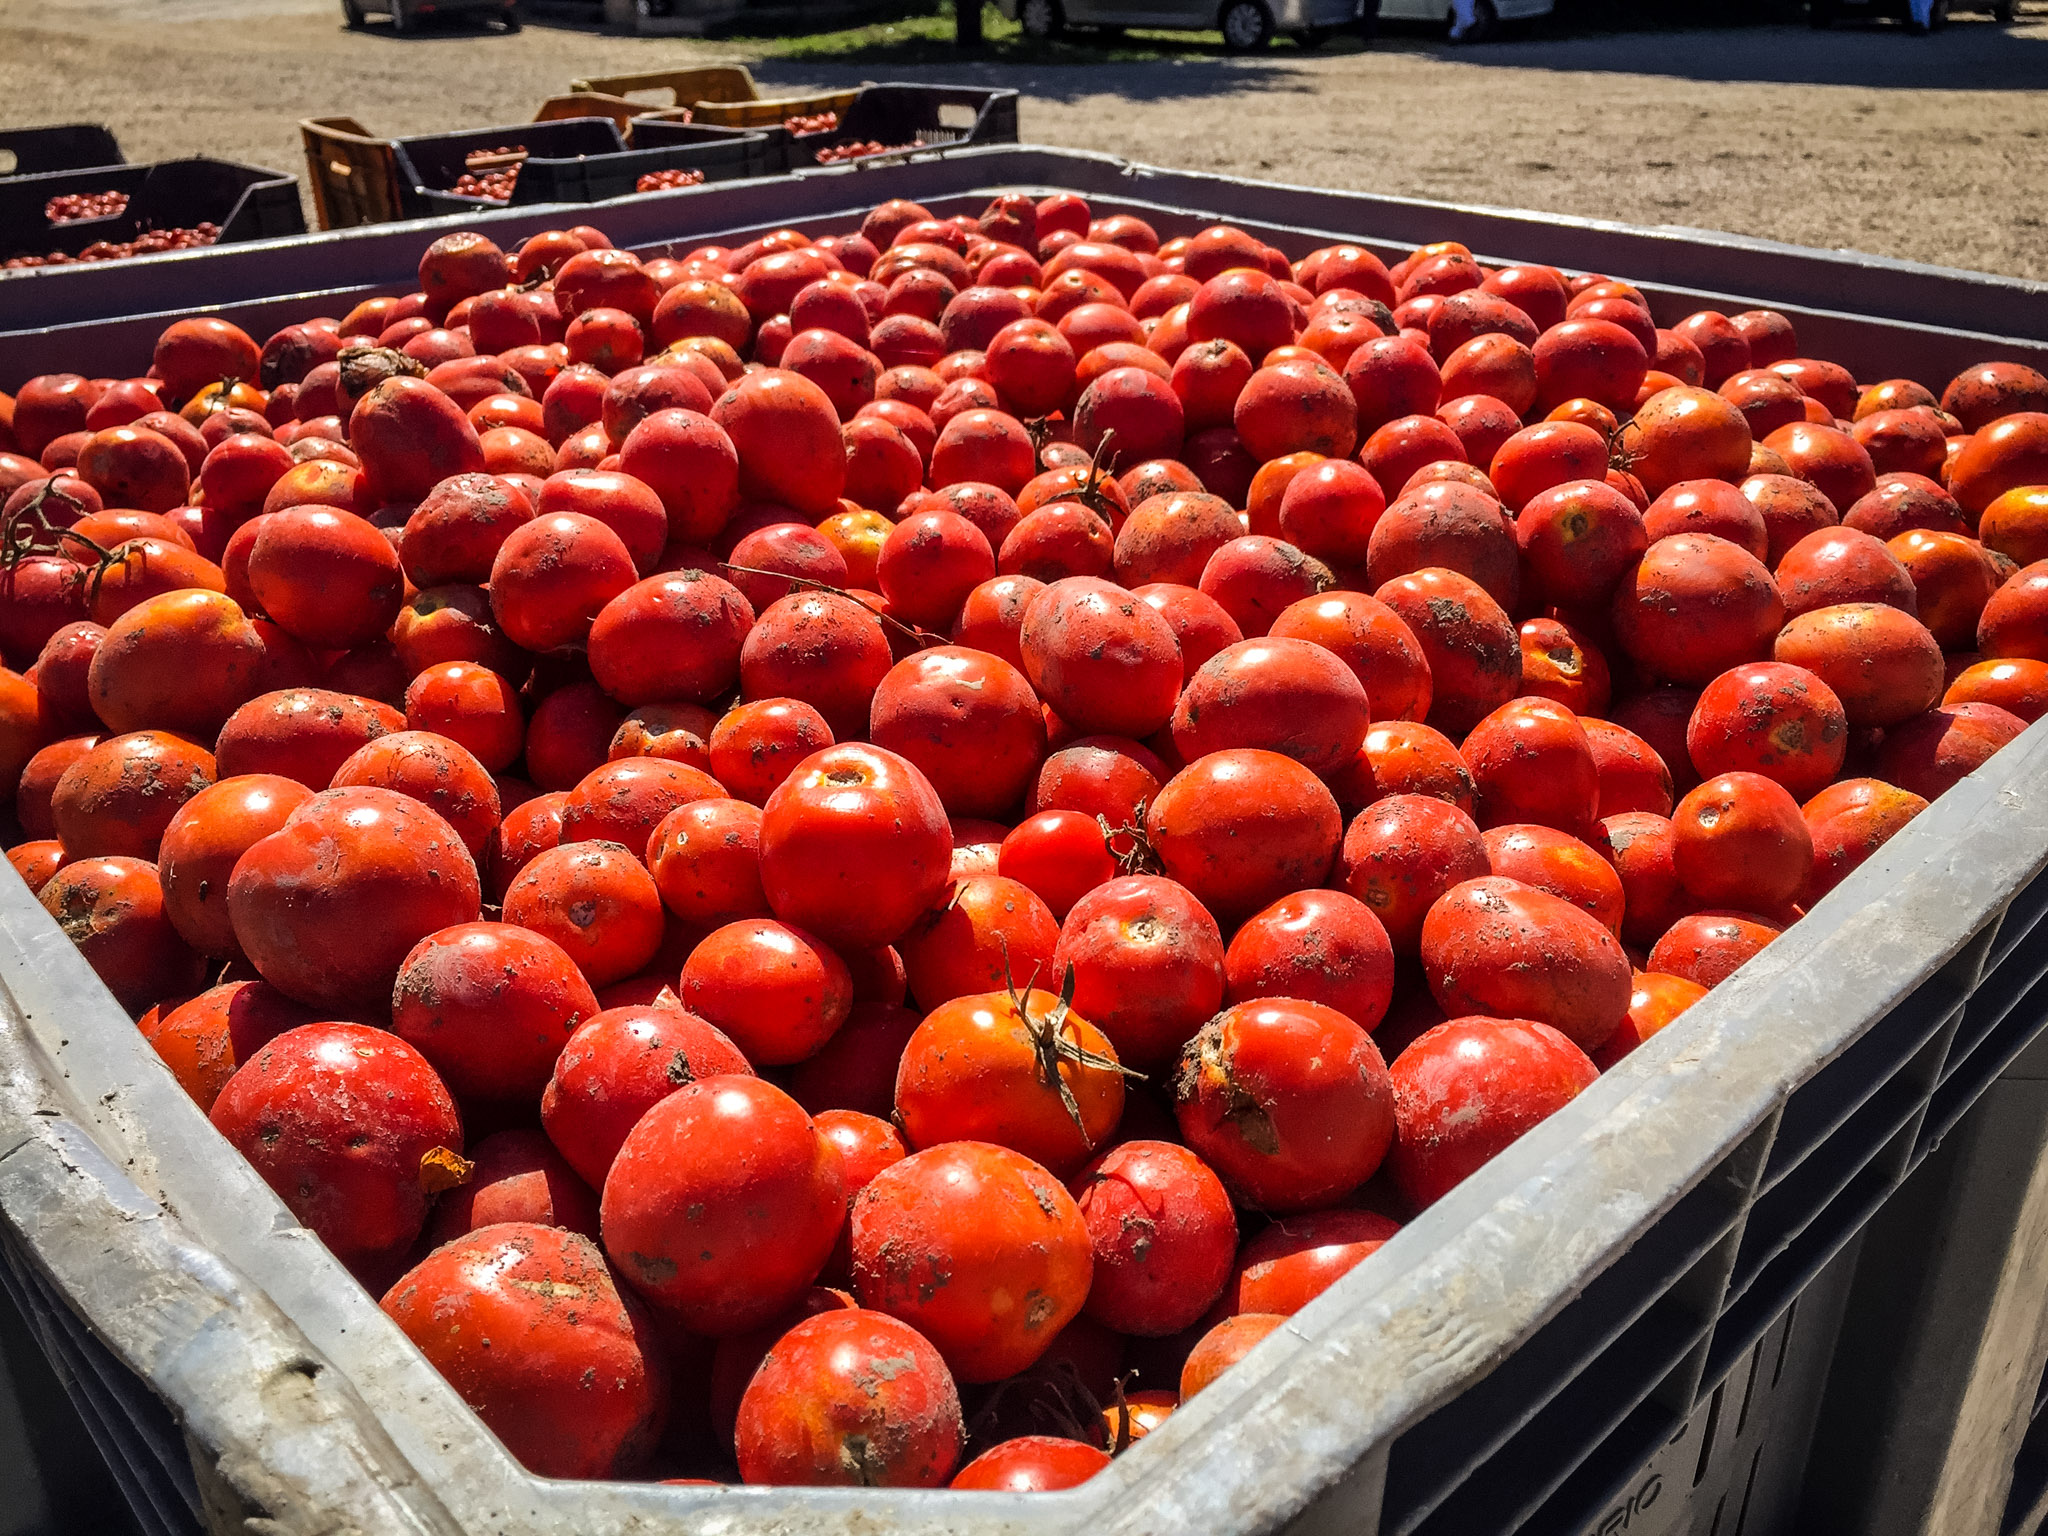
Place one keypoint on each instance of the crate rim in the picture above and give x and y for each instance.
(32, 178)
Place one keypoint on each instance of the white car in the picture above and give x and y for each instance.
(1245, 24)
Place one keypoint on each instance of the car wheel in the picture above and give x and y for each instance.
(352, 15)
(1246, 25)
(1040, 19)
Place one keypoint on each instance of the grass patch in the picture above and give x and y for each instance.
(927, 38)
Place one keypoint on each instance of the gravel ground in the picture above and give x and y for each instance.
(1926, 148)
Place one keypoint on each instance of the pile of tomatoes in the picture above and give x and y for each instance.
(483, 177)
(149, 243)
(861, 859)
(665, 181)
(817, 122)
(493, 186)
(858, 149)
(72, 207)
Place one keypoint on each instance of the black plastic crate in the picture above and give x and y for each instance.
(722, 154)
(936, 114)
(246, 201)
(59, 147)
(907, 118)
(431, 164)
(577, 160)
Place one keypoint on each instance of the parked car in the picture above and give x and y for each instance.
(406, 14)
(1486, 13)
(1245, 24)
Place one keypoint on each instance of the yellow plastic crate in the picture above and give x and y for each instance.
(714, 82)
(769, 114)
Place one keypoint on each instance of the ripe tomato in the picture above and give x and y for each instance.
(1223, 1346)
(1163, 1235)
(851, 1397)
(1322, 946)
(328, 906)
(777, 992)
(529, 1325)
(950, 1237)
(349, 1125)
(1032, 1464)
(723, 1203)
(1297, 1258)
(1017, 1068)
(1509, 950)
(619, 1064)
(1289, 1101)
(490, 1006)
(854, 845)
(1469, 1087)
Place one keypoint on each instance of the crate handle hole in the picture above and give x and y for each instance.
(8, 161)
(956, 114)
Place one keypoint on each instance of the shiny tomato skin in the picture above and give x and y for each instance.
(530, 1326)
(723, 1203)
(1471, 1086)
(854, 845)
(297, 1106)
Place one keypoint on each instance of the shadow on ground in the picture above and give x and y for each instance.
(1972, 53)
(1164, 81)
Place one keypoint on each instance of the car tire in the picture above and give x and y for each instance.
(1041, 20)
(1247, 25)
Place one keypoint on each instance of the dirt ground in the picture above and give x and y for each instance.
(1933, 149)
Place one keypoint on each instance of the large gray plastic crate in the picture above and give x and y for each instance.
(1644, 1291)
